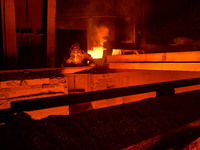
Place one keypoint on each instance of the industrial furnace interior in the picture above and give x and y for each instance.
(39, 33)
(78, 71)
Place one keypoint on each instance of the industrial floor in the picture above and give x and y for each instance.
(166, 122)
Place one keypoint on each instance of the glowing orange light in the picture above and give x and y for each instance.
(97, 52)
(116, 52)
(101, 36)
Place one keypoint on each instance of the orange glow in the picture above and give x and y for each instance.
(101, 36)
(158, 57)
(116, 52)
(97, 52)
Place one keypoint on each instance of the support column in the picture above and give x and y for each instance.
(9, 33)
(133, 29)
(90, 33)
(51, 26)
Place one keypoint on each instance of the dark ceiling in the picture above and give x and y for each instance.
(164, 19)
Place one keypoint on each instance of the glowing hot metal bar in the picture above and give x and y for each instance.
(176, 61)
(157, 57)
(157, 66)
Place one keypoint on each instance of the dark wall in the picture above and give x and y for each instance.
(78, 8)
(159, 21)
(172, 18)
(31, 33)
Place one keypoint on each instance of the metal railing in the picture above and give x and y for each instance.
(56, 101)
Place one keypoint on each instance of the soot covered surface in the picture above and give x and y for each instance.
(109, 128)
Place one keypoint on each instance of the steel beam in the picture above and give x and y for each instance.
(41, 103)
(192, 56)
(157, 66)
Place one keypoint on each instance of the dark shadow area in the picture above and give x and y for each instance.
(108, 128)
(177, 140)
(172, 19)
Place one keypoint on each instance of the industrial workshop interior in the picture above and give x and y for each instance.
(100, 74)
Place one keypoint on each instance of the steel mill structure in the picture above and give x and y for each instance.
(107, 74)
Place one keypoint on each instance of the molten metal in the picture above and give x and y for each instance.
(97, 52)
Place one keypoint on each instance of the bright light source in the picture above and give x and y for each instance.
(97, 52)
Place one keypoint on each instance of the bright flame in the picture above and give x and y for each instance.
(101, 36)
(97, 52)
(116, 52)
